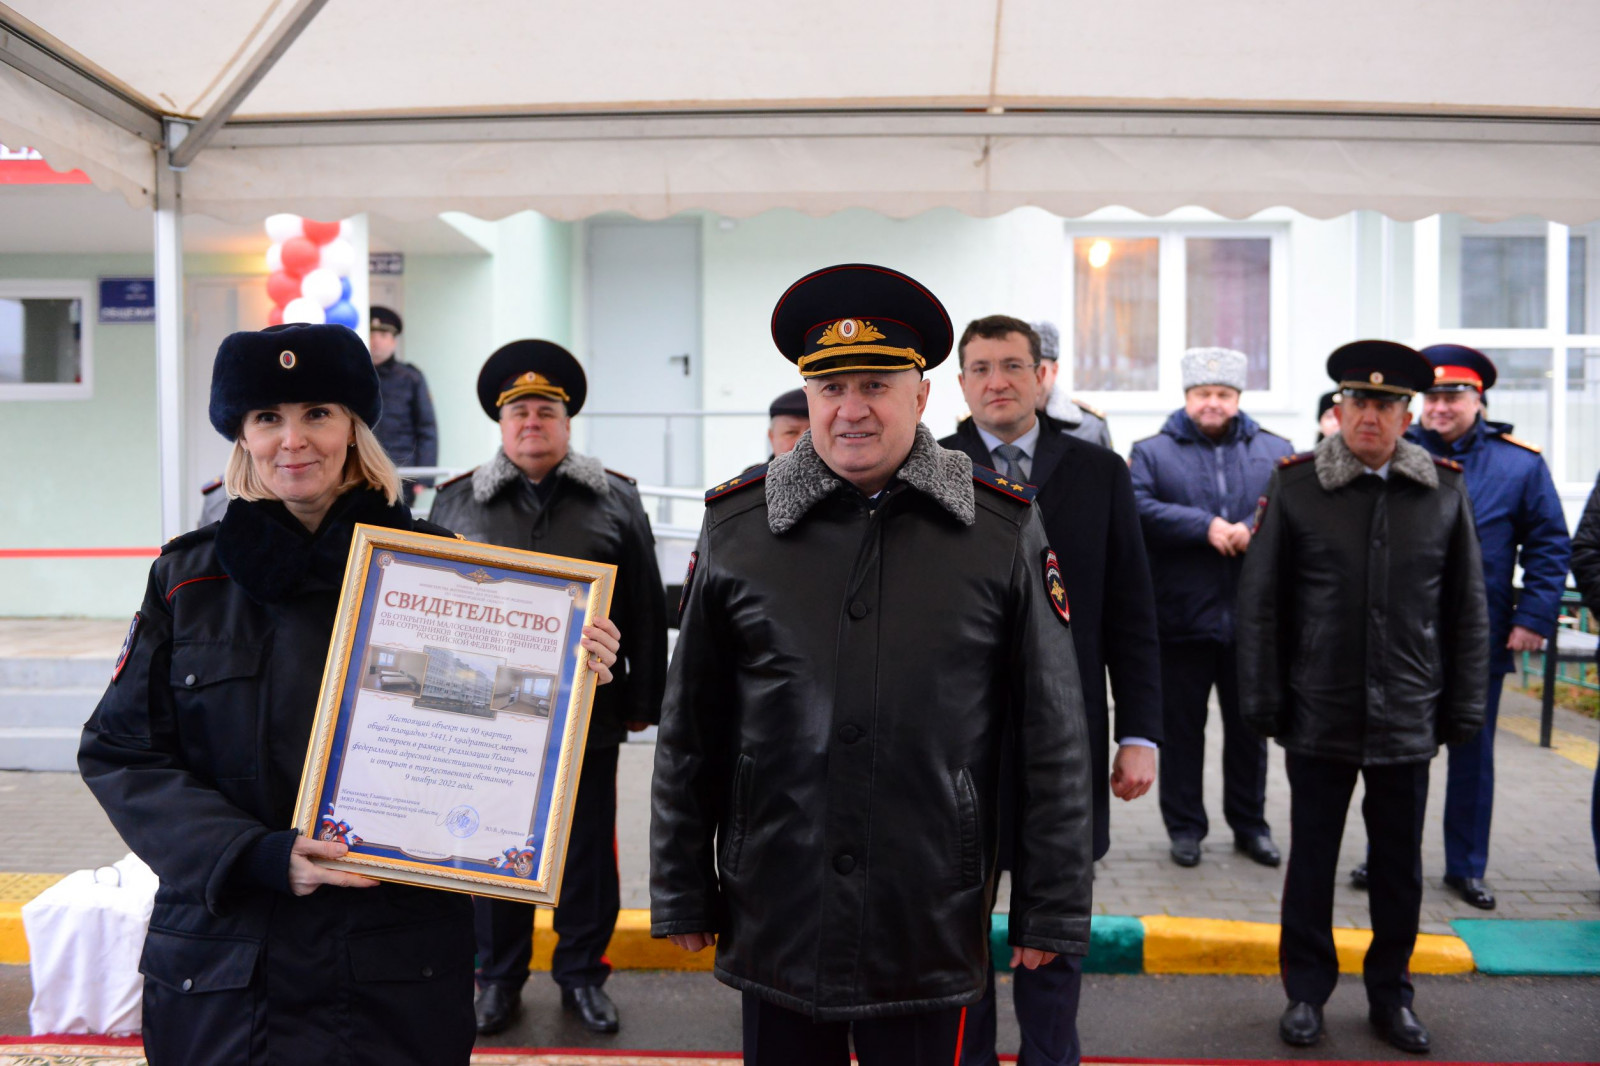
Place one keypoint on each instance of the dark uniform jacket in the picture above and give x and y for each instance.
(824, 795)
(407, 429)
(1085, 498)
(196, 752)
(1586, 552)
(1516, 508)
(1182, 480)
(1363, 630)
(592, 514)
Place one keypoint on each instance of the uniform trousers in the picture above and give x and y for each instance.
(1469, 794)
(585, 915)
(1046, 1002)
(776, 1036)
(1189, 670)
(1319, 798)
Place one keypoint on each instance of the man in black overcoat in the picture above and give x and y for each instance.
(1085, 496)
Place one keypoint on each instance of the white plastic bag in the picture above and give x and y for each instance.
(85, 935)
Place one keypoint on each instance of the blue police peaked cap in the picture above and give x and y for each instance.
(1457, 368)
(292, 363)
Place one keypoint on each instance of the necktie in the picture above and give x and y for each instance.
(1010, 457)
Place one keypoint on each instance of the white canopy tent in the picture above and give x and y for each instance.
(408, 108)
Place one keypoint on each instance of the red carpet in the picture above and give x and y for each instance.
(112, 1051)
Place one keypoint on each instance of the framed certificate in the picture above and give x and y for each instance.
(454, 708)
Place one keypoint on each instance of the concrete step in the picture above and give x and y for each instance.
(64, 672)
(47, 707)
(39, 748)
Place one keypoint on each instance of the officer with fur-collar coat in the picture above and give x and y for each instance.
(1363, 643)
(861, 621)
(539, 495)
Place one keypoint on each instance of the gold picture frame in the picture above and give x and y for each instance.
(455, 702)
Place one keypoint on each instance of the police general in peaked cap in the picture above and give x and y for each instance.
(537, 494)
(862, 618)
(1363, 643)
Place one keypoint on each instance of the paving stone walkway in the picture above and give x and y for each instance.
(1542, 862)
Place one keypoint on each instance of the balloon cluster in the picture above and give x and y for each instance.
(310, 264)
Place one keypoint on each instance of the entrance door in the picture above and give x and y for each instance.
(213, 308)
(644, 349)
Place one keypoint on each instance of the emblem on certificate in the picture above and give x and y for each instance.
(454, 708)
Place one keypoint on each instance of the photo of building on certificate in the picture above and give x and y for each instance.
(453, 707)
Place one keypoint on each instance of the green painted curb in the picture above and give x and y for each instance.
(1522, 947)
(1116, 944)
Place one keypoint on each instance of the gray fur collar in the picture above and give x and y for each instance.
(497, 473)
(1337, 465)
(797, 480)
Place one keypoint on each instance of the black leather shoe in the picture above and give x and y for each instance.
(495, 1007)
(1358, 877)
(1260, 848)
(1401, 1027)
(1473, 890)
(1186, 851)
(593, 1008)
(1301, 1024)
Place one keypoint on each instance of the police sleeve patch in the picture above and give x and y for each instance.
(1261, 512)
(127, 646)
(1055, 588)
(683, 597)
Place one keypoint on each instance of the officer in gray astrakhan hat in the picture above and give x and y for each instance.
(1197, 483)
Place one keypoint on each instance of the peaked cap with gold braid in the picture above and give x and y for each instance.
(540, 370)
(856, 317)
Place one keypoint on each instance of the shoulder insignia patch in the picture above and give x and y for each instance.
(1448, 464)
(743, 481)
(1055, 587)
(624, 477)
(211, 486)
(1101, 415)
(451, 481)
(127, 646)
(1534, 448)
(688, 578)
(1296, 459)
(1261, 512)
(1017, 490)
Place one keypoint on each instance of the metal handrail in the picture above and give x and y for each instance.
(657, 491)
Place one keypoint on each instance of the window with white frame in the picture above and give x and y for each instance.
(1138, 296)
(45, 339)
(1527, 294)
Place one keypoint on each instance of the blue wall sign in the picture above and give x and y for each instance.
(127, 300)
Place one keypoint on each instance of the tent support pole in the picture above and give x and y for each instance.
(169, 343)
(248, 78)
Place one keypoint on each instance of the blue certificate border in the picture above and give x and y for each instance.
(560, 708)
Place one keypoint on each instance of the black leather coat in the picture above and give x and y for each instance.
(1363, 626)
(591, 514)
(196, 751)
(825, 778)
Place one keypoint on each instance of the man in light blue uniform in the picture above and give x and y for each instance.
(1515, 506)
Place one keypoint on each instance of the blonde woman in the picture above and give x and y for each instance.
(255, 953)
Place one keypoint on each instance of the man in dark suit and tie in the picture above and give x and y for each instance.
(1092, 522)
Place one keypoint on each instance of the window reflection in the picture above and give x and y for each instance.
(1230, 300)
(41, 341)
(1583, 413)
(1116, 283)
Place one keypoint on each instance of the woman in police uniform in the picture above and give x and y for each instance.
(255, 953)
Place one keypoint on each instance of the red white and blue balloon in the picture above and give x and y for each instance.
(309, 266)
